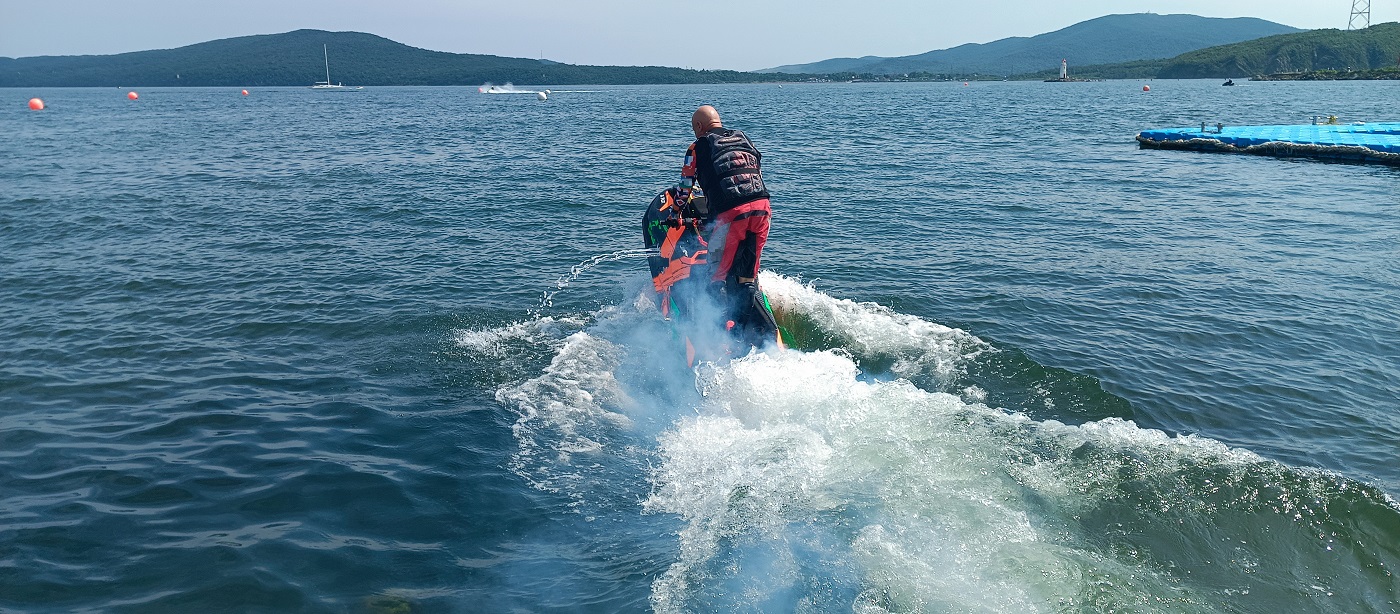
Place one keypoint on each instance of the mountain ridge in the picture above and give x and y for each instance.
(356, 58)
(1310, 54)
(1103, 40)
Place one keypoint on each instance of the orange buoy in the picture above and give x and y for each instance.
(245, 92)
(1146, 88)
(132, 95)
(36, 104)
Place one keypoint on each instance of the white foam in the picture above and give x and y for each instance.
(508, 88)
(931, 493)
(576, 391)
(917, 346)
(496, 342)
(931, 500)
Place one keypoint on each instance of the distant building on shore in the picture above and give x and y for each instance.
(1064, 74)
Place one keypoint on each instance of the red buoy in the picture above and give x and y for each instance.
(132, 95)
(36, 104)
(245, 92)
(1146, 88)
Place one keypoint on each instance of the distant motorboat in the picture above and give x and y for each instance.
(505, 89)
(327, 85)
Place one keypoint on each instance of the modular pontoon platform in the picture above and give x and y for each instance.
(1377, 143)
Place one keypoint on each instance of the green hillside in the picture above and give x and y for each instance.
(295, 58)
(1337, 50)
(1370, 53)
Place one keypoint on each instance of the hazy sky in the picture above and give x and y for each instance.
(735, 34)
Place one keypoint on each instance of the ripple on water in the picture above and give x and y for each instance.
(253, 353)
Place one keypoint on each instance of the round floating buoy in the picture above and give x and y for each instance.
(542, 96)
(964, 84)
(245, 92)
(132, 95)
(36, 104)
(1146, 88)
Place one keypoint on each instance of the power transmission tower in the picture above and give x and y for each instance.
(1360, 13)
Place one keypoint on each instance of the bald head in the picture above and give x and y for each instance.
(704, 119)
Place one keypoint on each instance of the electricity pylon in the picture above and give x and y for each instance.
(1360, 13)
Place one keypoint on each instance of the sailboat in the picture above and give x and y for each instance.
(327, 85)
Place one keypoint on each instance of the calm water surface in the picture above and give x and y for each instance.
(392, 351)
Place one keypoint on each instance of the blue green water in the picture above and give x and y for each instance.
(393, 350)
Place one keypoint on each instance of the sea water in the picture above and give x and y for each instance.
(394, 350)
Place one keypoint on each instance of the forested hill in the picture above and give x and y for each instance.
(1334, 52)
(1108, 39)
(295, 58)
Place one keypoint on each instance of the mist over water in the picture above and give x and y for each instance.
(298, 352)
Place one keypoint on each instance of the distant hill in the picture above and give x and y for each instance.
(1376, 48)
(1105, 40)
(295, 58)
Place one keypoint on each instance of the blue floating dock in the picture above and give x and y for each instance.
(1377, 143)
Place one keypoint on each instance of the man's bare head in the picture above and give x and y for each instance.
(704, 119)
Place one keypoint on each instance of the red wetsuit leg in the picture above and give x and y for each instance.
(739, 234)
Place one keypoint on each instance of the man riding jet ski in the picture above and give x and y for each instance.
(675, 224)
(722, 197)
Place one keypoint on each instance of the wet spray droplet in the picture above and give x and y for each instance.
(578, 269)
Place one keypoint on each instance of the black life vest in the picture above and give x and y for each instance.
(732, 175)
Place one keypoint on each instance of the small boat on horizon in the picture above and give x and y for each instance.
(327, 85)
(505, 89)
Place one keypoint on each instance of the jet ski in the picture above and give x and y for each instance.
(675, 225)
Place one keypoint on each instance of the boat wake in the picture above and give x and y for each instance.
(487, 88)
(508, 88)
(873, 468)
